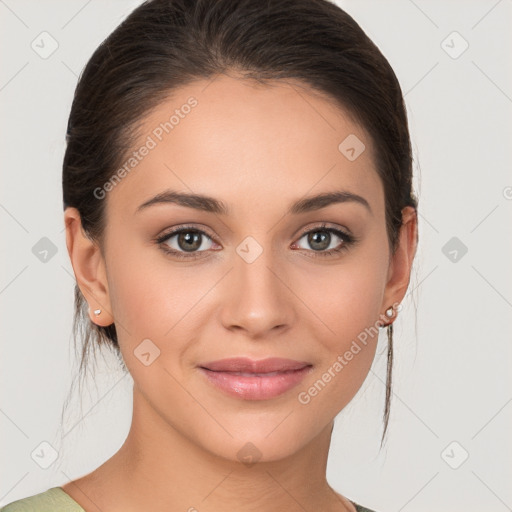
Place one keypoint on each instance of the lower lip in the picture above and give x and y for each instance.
(257, 387)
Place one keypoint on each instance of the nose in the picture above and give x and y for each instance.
(257, 297)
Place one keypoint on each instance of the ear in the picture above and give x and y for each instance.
(400, 265)
(89, 268)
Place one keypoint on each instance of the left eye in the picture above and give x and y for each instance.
(322, 239)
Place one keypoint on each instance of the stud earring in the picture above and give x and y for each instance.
(97, 312)
(390, 312)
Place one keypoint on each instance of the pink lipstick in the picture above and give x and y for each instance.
(255, 380)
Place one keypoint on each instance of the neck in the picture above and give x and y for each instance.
(160, 469)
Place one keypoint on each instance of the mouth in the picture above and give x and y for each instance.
(255, 380)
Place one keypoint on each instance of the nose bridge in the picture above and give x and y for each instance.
(257, 299)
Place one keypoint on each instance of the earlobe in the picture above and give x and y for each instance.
(89, 268)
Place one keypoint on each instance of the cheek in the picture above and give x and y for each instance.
(346, 298)
(151, 297)
(348, 303)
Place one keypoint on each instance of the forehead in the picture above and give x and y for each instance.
(237, 139)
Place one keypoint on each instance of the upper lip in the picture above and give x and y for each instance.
(247, 365)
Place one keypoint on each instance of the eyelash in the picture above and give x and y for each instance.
(348, 241)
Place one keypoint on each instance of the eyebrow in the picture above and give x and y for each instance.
(212, 205)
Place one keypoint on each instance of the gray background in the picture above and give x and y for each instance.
(449, 443)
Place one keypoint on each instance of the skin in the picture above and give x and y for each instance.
(258, 148)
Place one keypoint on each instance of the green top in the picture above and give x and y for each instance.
(52, 500)
(57, 500)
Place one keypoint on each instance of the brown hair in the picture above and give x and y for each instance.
(165, 44)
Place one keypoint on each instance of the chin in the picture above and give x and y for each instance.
(264, 441)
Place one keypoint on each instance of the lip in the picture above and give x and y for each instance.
(249, 379)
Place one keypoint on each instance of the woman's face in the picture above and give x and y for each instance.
(247, 281)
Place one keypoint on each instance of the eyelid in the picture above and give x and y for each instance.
(325, 225)
(185, 227)
(303, 231)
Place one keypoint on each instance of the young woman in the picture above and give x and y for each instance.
(241, 223)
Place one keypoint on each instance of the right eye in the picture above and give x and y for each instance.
(185, 242)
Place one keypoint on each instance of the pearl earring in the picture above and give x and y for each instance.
(97, 312)
(389, 312)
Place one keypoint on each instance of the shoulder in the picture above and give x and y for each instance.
(51, 500)
(346, 501)
(359, 508)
